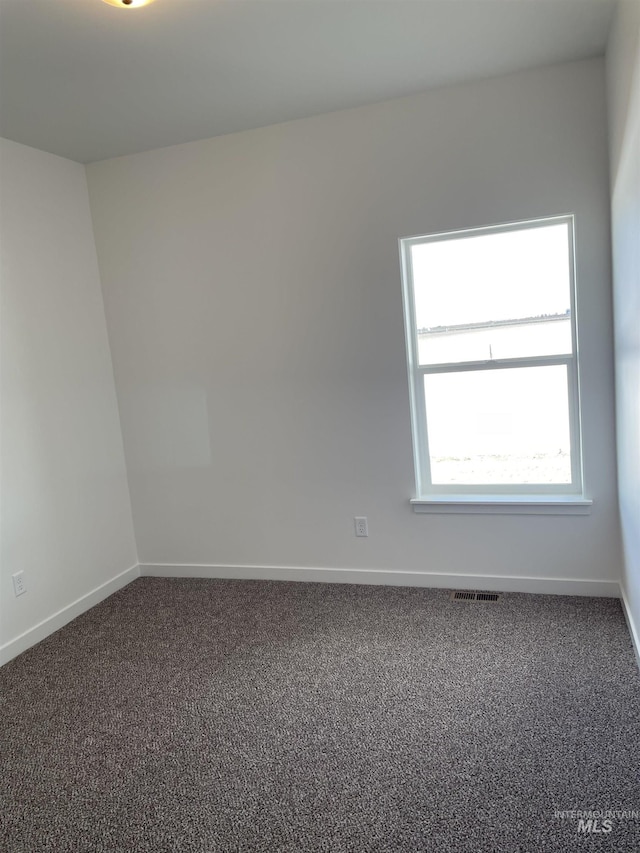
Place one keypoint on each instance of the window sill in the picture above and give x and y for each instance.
(504, 504)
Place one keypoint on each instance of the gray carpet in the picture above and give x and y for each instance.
(195, 715)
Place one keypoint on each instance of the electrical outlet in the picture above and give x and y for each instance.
(19, 585)
(362, 528)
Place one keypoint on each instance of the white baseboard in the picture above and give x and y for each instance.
(58, 620)
(547, 586)
(633, 628)
(498, 583)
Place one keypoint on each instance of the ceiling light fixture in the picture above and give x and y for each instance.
(128, 4)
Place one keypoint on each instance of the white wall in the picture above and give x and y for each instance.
(253, 300)
(66, 514)
(623, 82)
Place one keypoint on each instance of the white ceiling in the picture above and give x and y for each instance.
(88, 81)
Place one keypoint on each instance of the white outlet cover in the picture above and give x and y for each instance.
(19, 585)
(361, 525)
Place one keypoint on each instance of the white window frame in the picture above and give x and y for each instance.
(536, 498)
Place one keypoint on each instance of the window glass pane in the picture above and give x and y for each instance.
(502, 426)
(491, 296)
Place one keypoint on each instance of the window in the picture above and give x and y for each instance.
(493, 372)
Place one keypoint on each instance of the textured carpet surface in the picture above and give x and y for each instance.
(198, 715)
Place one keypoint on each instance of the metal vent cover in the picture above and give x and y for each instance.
(473, 595)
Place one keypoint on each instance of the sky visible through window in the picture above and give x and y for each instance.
(509, 425)
(488, 277)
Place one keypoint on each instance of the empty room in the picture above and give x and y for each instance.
(319, 426)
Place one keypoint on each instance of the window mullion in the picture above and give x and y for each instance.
(495, 364)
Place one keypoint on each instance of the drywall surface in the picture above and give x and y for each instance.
(253, 298)
(66, 513)
(623, 83)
